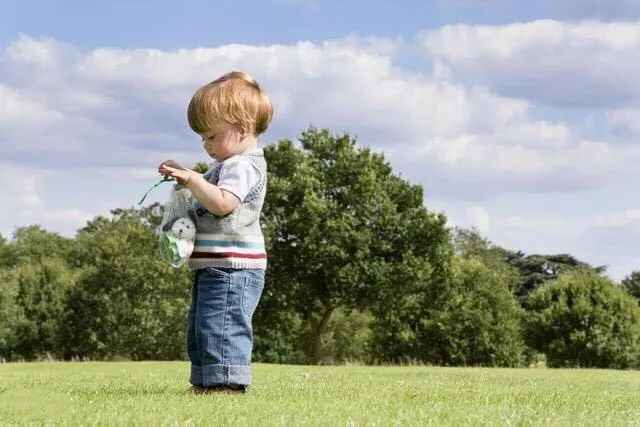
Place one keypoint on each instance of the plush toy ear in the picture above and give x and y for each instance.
(169, 224)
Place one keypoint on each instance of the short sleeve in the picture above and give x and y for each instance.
(238, 176)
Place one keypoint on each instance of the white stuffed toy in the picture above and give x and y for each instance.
(182, 228)
(177, 240)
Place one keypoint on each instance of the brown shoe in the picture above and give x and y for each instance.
(225, 389)
(196, 389)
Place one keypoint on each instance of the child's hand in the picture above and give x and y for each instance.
(171, 163)
(173, 169)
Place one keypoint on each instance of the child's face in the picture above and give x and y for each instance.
(223, 142)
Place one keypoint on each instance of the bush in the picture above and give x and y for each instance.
(477, 321)
(583, 319)
(34, 280)
(471, 318)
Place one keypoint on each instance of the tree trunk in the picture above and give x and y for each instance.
(318, 328)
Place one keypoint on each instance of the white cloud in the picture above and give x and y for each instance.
(74, 218)
(358, 83)
(26, 186)
(480, 219)
(24, 202)
(16, 107)
(625, 120)
(43, 53)
(629, 218)
(587, 63)
(123, 105)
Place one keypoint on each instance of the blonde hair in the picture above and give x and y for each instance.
(235, 99)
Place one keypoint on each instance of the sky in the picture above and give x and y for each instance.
(520, 119)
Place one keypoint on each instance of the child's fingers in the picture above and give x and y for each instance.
(176, 174)
(173, 164)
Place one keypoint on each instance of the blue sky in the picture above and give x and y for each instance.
(166, 24)
(171, 25)
(519, 118)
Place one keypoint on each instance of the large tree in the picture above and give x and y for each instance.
(340, 227)
(535, 270)
(469, 244)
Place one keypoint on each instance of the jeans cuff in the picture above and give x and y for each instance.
(196, 375)
(225, 374)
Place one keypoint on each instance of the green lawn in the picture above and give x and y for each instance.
(153, 393)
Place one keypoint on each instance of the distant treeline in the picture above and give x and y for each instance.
(359, 270)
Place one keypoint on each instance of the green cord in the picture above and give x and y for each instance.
(165, 179)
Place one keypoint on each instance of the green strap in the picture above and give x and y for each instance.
(165, 179)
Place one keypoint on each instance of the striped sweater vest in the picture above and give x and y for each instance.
(234, 240)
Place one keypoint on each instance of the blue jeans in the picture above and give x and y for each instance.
(219, 331)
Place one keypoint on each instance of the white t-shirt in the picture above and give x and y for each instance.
(238, 176)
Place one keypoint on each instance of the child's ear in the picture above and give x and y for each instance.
(244, 132)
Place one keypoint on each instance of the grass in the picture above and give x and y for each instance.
(153, 393)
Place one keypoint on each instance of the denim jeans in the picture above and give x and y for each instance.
(219, 331)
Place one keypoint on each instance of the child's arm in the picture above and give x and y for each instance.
(215, 200)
